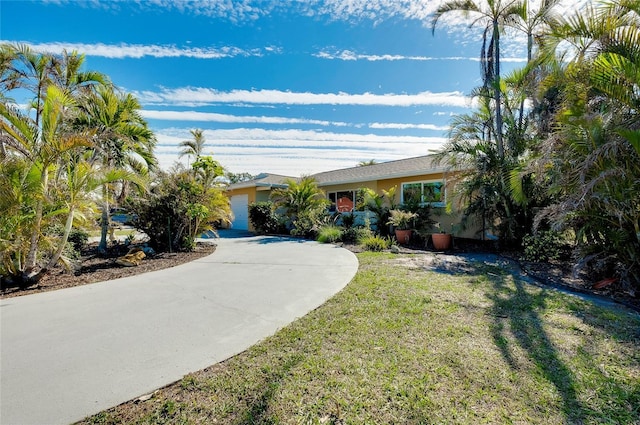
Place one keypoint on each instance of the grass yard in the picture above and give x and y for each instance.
(405, 345)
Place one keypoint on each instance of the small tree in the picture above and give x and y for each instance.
(380, 205)
(303, 203)
(264, 218)
(177, 209)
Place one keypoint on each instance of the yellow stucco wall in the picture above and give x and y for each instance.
(448, 221)
(249, 191)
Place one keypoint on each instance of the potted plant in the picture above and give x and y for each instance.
(402, 221)
(442, 241)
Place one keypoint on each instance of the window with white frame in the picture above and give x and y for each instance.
(430, 192)
(343, 200)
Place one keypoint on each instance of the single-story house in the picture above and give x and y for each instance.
(419, 179)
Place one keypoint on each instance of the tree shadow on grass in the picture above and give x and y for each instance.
(516, 316)
(258, 409)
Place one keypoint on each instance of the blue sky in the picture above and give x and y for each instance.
(292, 87)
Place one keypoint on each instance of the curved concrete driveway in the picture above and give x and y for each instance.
(74, 352)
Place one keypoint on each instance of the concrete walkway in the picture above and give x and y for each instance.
(71, 353)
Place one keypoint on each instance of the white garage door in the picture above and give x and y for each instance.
(240, 208)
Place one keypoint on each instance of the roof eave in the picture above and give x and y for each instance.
(385, 177)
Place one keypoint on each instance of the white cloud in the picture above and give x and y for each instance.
(194, 96)
(245, 119)
(293, 152)
(402, 126)
(296, 136)
(348, 55)
(227, 118)
(123, 50)
(376, 11)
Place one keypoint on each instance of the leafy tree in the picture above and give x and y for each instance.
(206, 170)
(81, 179)
(177, 209)
(238, 177)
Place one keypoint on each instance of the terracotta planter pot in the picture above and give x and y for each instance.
(403, 236)
(441, 241)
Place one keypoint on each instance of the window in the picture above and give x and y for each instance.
(343, 201)
(427, 192)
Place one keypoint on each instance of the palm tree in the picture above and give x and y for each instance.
(42, 147)
(81, 179)
(594, 152)
(366, 163)
(495, 15)
(302, 201)
(32, 71)
(68, 75)
(122, 140)
(19, 191)
(193, 147)
(534, 24)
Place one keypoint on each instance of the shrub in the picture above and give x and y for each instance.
(307, 223)
(263, 218)
(354, 234)
(177, 209)
(543, 246)
(348, 220)
(375, 243)
(78, 238)
(304, 204)
(330, 234)
(402, 220)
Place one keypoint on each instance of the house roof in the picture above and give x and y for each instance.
(384, 170)
(262, 180)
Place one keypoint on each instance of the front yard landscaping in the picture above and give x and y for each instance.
(406, 344)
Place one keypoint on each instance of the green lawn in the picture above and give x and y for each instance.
(404, 345)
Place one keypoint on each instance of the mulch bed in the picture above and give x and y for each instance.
(94, 268)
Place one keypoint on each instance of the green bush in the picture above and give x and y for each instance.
(542, 246)
(263, 218)
(307, 223)
(176, 209)
(354, 234)
(329, 234)
(375, 243)
(348, 220)
(78, 238)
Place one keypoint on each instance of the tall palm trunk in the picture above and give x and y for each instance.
(497, 91)
(104, 220)
(56, 256)
(32, 255)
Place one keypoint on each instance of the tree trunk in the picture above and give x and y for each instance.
(497, 91)
(32, 256)
(35, 278)
(104, 221)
